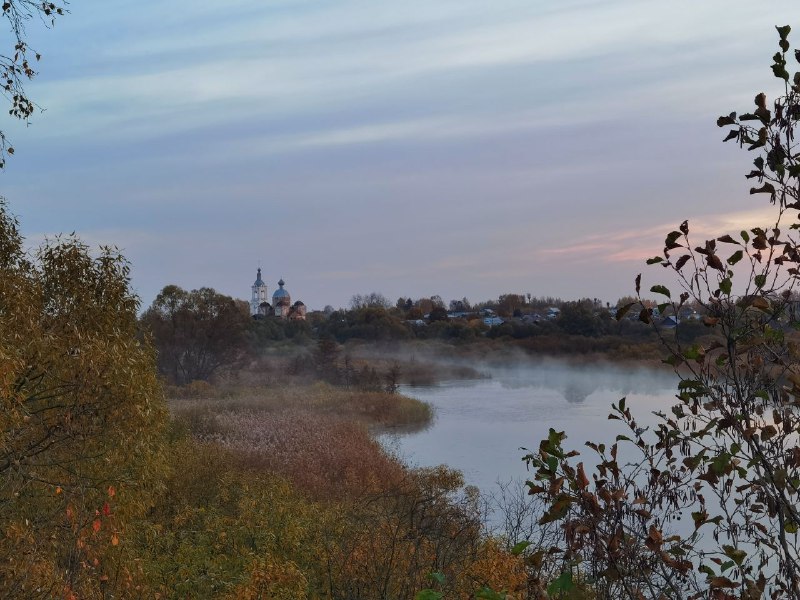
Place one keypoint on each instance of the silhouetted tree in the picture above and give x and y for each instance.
(196, 332)
(18, 59)
(725, 455)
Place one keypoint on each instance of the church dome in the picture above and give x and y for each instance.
(280, 293)
(259, 282)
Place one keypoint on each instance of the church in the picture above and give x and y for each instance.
(281, 306)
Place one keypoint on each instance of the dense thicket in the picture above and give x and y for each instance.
(81, 421)
(196, 332)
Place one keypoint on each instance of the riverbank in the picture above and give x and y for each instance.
(318, 436)
(286, 493)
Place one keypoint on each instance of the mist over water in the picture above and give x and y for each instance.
(480, 425)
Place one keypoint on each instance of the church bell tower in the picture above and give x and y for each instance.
(259, 294)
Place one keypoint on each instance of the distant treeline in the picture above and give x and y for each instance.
(200, 331)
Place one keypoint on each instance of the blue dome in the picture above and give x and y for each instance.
(280, 292)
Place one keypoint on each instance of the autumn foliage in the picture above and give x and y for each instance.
(81, 420)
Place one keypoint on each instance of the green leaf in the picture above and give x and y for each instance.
(784, 31)
(780, 71)
(737, 556)
(558, 510)
(486, 593)
(692, 352)
(725, 286)
(655, 260)
(438, 577)
(735, 257)
(727, 565)
(760, 280)
(706, 569)
(563, 583)
(660, 289)
(428, 594)
(520, 547)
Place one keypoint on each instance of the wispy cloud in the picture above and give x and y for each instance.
(459, 145)
(634, 246)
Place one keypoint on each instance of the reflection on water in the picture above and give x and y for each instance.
(481, 425)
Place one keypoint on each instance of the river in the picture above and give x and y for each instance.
(480, 425)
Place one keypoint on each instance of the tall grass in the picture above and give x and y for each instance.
(329, 459)
(371, 408)
(317, 436)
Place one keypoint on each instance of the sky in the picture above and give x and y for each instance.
(462, 148)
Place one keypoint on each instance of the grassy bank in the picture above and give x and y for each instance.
(318, 436)
(383, 409)
(284, 493)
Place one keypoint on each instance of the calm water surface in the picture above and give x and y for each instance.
(480, 425)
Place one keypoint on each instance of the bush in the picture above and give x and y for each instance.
(82, 419)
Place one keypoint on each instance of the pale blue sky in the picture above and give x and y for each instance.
(457, 147)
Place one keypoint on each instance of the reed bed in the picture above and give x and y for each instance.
(379, 409)
(317, 436)
(329, 459)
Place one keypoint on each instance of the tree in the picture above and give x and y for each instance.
(726, 456)
(82, 419)
(425, 305)
(508, 303)
(579, 318)
(196, 333)
(326, 359)
(371, 300)
(438, 313)
(16, 64)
